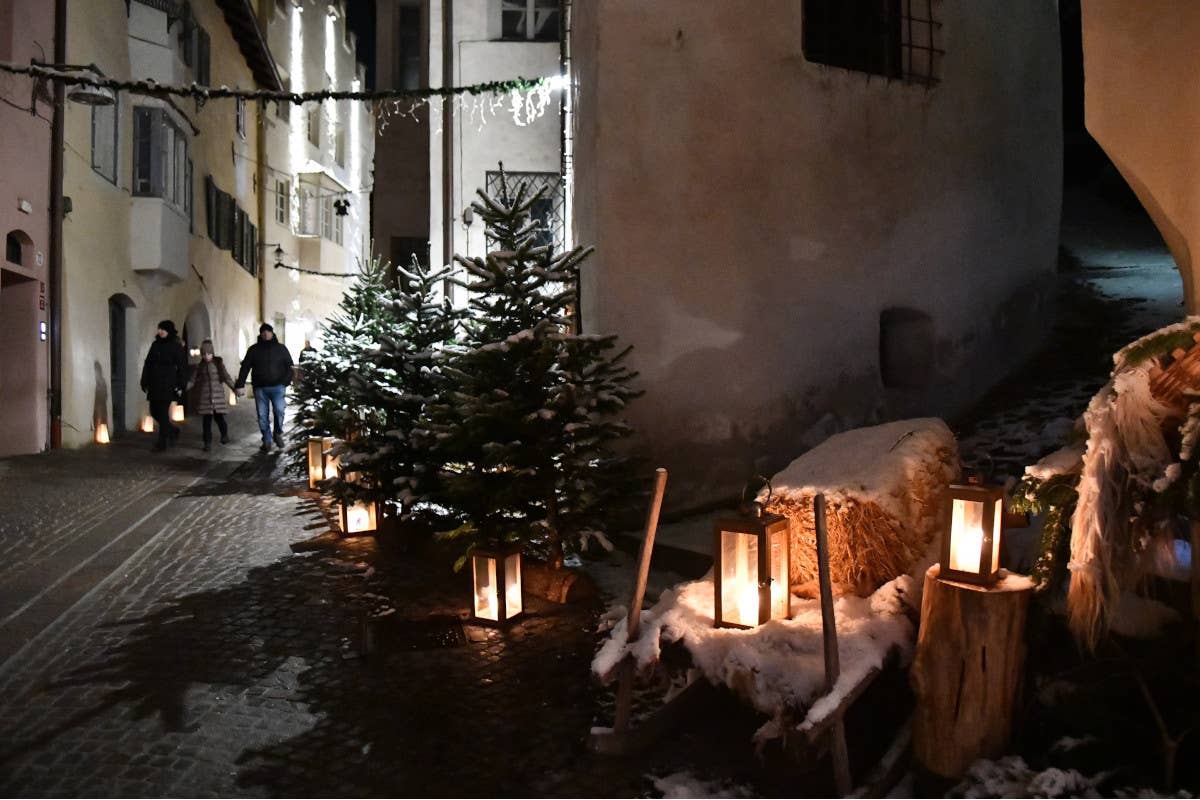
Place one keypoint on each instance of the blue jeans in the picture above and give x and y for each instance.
(266, 398)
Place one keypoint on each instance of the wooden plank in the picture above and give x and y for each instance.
(837, 730)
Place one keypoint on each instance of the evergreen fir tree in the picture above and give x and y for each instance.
(392, 456)
(521, 425)
(327, 403)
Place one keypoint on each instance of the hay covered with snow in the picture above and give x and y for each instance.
(778, 667)
(886, 499)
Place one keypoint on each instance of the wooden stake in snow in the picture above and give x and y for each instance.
(634, 622)
(837, 732)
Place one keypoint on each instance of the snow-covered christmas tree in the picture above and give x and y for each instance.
(523, 426)
(327, 402)
(393, 453)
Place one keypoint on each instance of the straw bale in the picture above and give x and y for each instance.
(886, 500)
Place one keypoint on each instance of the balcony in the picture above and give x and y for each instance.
(159, 237)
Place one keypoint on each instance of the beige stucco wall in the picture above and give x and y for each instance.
(26, 32)
(311, 49)
(214, 292)
(1140, 62)
(754, 214)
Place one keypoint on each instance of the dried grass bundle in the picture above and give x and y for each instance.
(886, 500)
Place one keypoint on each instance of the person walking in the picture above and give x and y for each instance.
(164, 376)
(269, 365)
(210, 378)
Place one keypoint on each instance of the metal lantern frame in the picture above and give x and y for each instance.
(500, 557)
(991, 524)
(344, 508)
(318, 458)
(752, 520)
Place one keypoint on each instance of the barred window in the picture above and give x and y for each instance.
(897, 39)
(531, 20)
(547, 209)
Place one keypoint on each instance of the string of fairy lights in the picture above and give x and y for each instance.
(524, 99)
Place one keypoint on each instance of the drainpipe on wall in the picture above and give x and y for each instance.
(261, 170)
(447, 133)
(56, 228)
(260, 147)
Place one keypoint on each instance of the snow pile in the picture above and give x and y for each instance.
(1066, 461)
(779, 667)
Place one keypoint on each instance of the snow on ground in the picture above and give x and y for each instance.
(1012, 777)
(684, 784)
(779, 667)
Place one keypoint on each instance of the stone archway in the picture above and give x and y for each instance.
(197, 326)
(1140, 106)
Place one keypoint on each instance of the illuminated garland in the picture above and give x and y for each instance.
(203, 94)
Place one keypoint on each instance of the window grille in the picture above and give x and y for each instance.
(530, 20)
(898, 39)
(547, 210)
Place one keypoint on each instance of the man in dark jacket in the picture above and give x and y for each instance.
(164, 377)
(269, 365)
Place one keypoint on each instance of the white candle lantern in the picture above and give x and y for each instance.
(971, 547)
(319, 460)
(359, 516)
(102, 433)
(176, 412)
(147, 425)
(496, 576)
(750, 572)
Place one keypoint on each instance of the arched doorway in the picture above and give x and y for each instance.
(197, 327)
(118, 358)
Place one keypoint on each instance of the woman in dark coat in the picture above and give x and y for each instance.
(164, 376)
(210, 378)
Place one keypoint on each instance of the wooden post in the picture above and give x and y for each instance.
(634, 620)
(967, 671)
(837, 731)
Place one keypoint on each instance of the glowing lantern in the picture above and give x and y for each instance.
(147, 425)
(102, 433)
(176, 412)
(497, 579)
(971, 548)
(232, 398)
(751, 569)
(321, 464)
(359, 516)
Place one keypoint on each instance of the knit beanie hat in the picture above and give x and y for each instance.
(265, 327)
(167, 326)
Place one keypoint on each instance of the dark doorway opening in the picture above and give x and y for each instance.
(118, 358)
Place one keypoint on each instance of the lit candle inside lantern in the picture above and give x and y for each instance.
(331, 467)
(485, 593)
(147, 424)
(360, 517)
(966, 545)
(232, 397)
(102, 433)
(176, 412)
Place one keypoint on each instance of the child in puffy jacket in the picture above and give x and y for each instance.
(210, 378)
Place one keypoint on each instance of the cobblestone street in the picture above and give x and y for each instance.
(165, 640)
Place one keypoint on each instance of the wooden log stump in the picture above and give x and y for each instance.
(968, 670)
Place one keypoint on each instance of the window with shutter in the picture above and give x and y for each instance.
(210, 208)
(104, 140)
(203, 56)
(237, 242)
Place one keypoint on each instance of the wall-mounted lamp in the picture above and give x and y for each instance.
(278, 253)
(341, 207)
